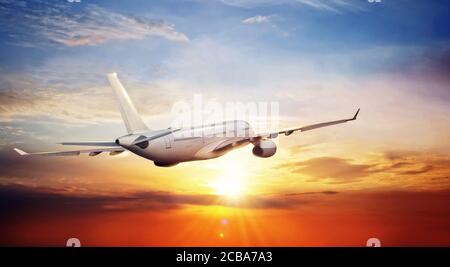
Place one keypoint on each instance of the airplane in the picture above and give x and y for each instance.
(169, 147)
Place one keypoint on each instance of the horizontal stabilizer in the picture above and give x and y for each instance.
(91, 152)
(21, 152)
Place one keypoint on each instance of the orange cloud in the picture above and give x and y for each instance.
(340, 170)
(415, 168)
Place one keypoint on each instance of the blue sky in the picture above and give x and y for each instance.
(292, 27)
(54, 53)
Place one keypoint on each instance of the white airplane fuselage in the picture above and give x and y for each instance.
(170, 147)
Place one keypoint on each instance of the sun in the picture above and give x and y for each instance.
(228, 186)
(231, 181)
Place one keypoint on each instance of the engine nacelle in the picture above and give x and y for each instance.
(265, 149)
(129, 140)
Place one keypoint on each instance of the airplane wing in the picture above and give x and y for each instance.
(289, 131)
(89, 143)
(91, 152)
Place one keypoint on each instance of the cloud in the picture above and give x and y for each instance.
(37, 101)
(406, 164)
(298, 149)
(58, 89)
(17, 198)
(412, 162)
(328, 192)
(256, 20)
(337, 169)
(41, 216)
(320, 5)
(329, 5)
(432, 62)
(39, 167)
(93, 25)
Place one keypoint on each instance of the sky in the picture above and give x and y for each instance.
(385, 175)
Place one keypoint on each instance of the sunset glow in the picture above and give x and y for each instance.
(232, 180)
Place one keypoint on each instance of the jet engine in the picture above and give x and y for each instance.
(265, 149)
(129, 140)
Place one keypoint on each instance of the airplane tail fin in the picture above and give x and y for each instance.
(21, 152)
(131, 118)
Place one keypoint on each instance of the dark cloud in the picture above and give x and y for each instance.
(327, 192)
(11, 98)
(16, 199)
(413, 162)
(436, 61)
(429, 70)
(424, 169)
(46, 171)
(42, 216)
(15, 166)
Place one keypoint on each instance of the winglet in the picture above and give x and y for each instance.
(21, 152)
(356, 115)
